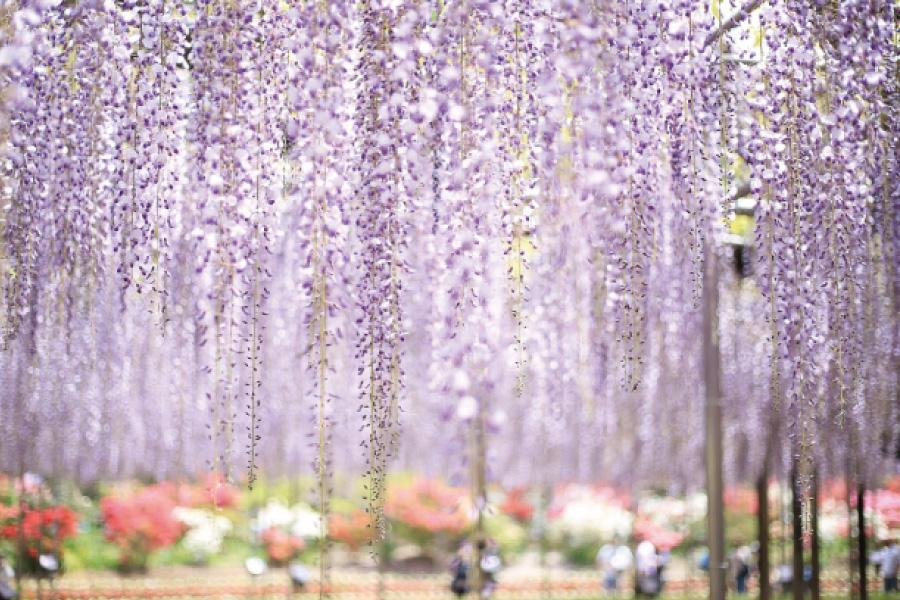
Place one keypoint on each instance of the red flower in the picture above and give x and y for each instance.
(141, 522)
(741, 500)
(516, 506)
(42, 529)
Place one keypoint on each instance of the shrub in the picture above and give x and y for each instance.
(428, 507)
(353, 529)
(140, 523)
(517, 506)
(281, 547)
(42, 530)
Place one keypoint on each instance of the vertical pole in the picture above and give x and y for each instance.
(381, 586)
(21, 543)
(861, 539)
(546, 494)
(851, 552)
(480, 496)
(815, 585)
(797, 538)
(715, 532)
(762, 526)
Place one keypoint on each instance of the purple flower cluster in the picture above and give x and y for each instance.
(491, 218)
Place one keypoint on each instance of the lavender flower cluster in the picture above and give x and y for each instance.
(253, 226)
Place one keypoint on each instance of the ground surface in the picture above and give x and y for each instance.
(230, 582)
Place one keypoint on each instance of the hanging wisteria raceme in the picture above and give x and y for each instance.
(822, 170)
(239, 70)
(315, 178)
(491, 215)
(386, 73)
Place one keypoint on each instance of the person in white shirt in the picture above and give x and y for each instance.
(646, 563)
(889, 562)
(614, 559)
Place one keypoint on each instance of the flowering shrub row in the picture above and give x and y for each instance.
(425, 513)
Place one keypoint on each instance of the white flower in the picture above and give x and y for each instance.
(307, 522)
(206, 530)
(273, 514)
(301, 520)
(589, 517)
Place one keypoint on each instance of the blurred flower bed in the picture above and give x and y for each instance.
(132, 527)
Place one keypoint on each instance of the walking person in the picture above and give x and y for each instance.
(459, 567)
(740, 569)
(890, 562)
(613, 560)
(646, 562)
(490, 567)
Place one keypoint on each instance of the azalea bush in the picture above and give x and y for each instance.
(353, 529)
(423, 510)
(140, 522)
(516, 505)
(37, 531)
(280, 546)
(510, 534)
(205, 531)
(582, 517)
(667, 521)
(286, 531)
(211, 492)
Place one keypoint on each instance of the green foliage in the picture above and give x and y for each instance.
(235, 550)
(90, 550)
(740, 528)
(582, 555)
(510, 535)
(173, 555)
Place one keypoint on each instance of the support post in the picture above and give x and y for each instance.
(762, 526)
(796, 537)
(851, 551)
(861, 539)
(715, 532)
(815, 585)
(480, 495)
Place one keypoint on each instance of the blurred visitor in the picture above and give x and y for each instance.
(784, 577)
(613, 560)
(662, 561)
(490, 566)
(740, 568)
(888, 561)
(646, 564)
(7, 575)
(459, 567)
(703, 561)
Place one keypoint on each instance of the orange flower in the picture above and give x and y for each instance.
(354, 529)
(281, 547)
(429, 505)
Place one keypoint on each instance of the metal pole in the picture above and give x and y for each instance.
(851, 553)
(815, 585)
(762, 525)
(861, 538)
(797, 582)
(713, 408)
(480, 494)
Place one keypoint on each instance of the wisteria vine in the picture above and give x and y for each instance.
(485, 216)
